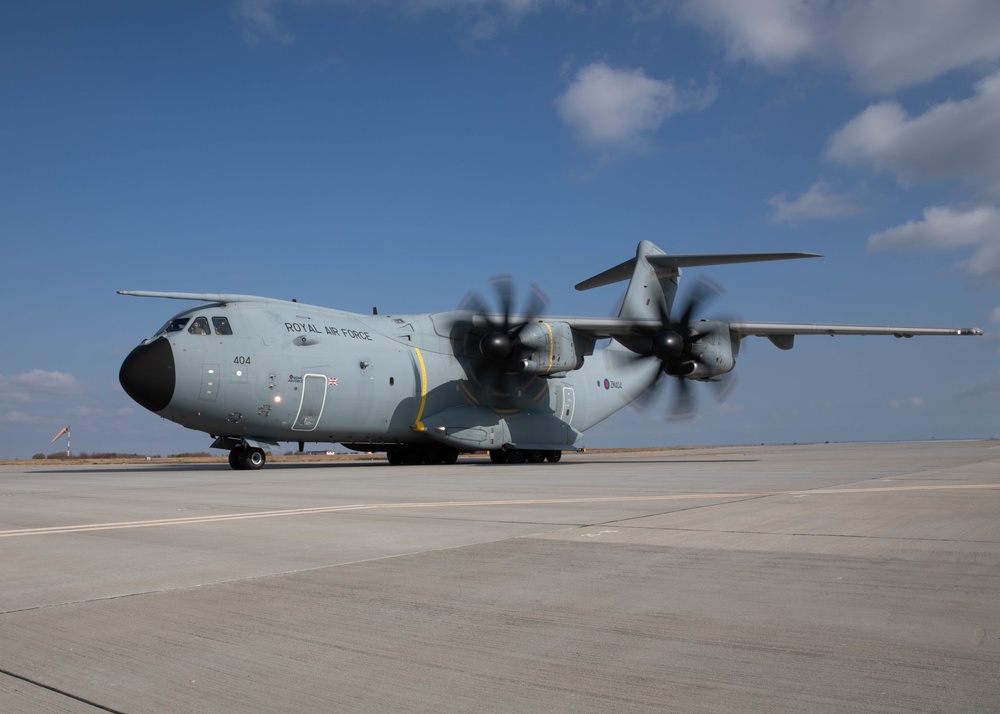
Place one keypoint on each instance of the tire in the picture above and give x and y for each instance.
(497, 456)
(516, 456)
(394, 457)
(553, 456)
(535, 456)
(253, 459)
(235, 458)
(450, 456)
(412, 456)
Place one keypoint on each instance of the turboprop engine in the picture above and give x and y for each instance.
(550, 348)
(709, 353)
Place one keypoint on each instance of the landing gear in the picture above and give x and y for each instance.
(519, 456)
(413, 455)
(234, 457)
(253, 459)
(244, 458)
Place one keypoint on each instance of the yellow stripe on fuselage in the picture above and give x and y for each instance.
(419, 425)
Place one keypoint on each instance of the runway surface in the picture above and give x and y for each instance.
(820, 578)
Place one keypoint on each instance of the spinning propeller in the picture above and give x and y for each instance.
(493, 342)
(675, 343)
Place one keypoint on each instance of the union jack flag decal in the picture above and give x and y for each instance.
(332, 381)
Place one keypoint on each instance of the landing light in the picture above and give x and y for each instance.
(277, 399)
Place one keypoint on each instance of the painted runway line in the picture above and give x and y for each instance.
(287, 512)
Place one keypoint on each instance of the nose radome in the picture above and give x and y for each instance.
(147, 374)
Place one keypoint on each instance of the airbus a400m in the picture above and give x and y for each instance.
(254, 371)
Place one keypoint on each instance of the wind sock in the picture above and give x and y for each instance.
(64, 431)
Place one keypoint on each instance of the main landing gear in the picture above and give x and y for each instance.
(520, 456)
(421, 455)
(247, 458)
(411, 455)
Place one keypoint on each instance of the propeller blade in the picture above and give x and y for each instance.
(724, 387)
(491, 344)
(504, 287)
(683, 406)
(702, 292)
(538, 302)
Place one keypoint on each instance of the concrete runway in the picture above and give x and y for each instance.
(820, 578)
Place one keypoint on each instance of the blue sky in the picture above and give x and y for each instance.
(398, 154)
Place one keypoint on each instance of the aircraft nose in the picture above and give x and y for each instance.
(147, 374)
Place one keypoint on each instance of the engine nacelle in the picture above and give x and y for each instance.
(551, 348)
(713, 352)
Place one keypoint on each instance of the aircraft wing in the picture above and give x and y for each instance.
(782, 334)
(766, 329)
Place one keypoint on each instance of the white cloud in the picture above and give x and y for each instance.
(42, 381)
(16, 417)
(883, 46)
(983, 266)
(259, 21)
(952, 139)
(99, 413)
(942, 227)
(995, 316)
(908, 403)
(766, 31)
(621, 108)
(480, 18)
(818, 202)
(946, 227)
(984, 386)
(891, 45)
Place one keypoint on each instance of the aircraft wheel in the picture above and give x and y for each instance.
(253, 459)
(412, 456)
(394, 457)
(497, 456)
(450, 456)
(553, 456)
(535, 456)
(516, 456)
(235, 458)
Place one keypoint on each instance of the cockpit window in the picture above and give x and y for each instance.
(200, 326)
(222, 326)
(175, 325)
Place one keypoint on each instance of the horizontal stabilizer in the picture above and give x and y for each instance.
(672, 263)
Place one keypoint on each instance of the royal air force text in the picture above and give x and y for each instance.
(336, 332)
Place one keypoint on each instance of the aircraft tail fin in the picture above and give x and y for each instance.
(654, 276)
(651, 288)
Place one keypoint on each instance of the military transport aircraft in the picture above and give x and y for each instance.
(255, 371)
